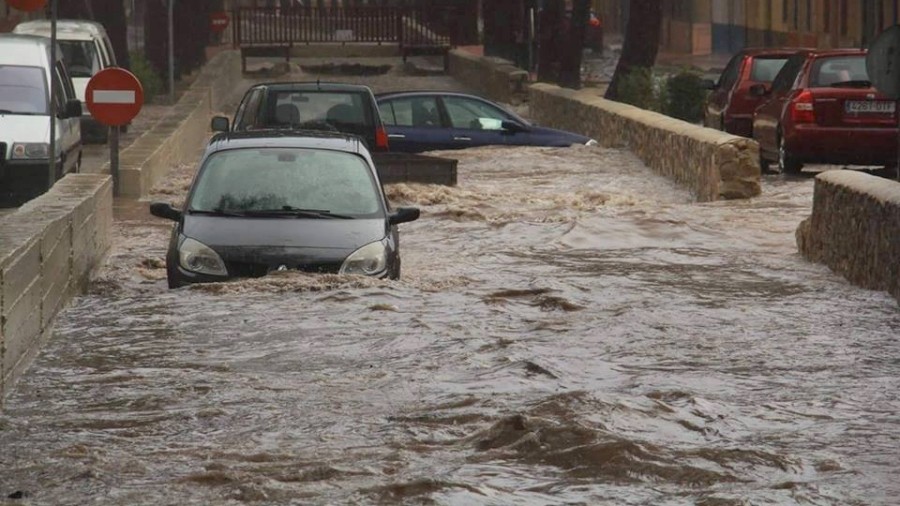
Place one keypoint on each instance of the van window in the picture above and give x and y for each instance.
(81, 57)
(23, 90)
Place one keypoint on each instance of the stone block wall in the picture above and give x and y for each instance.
(711, 164)
(854, 229)
(497, 80)
(183, 131)
(48, 249)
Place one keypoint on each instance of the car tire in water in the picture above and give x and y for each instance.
(786, 163)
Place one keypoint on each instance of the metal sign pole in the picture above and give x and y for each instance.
(114, 158)
(51, 171)
(171, 52)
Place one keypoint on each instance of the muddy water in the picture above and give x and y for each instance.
(570, 329)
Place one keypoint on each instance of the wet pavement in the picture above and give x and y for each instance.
(569, 329)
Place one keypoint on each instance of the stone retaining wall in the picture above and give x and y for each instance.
(711, 164)
(855, 229)
(495, 79)
(48, 249)
(179, 135)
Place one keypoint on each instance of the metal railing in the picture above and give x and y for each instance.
(406, 26)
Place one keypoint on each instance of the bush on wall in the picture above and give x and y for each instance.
(150, 80)
(685, 96)
(680, 95)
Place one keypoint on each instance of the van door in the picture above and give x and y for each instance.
(106, 58)
(68, 129)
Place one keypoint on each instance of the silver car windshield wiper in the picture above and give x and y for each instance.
(217, 212)
(297, 212)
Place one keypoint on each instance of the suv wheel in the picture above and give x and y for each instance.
(786, 163)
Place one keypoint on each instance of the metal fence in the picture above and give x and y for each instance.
(406, 26)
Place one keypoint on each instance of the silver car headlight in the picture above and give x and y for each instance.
(30, 151)
(370, 260)
(197, 257)
(591, 142)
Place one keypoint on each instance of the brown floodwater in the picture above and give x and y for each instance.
(570, 329)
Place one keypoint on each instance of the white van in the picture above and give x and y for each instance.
(25, 79)
(86, 50)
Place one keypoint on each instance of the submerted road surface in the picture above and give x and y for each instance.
(569, 329)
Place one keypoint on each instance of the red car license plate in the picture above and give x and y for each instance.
(870, 106)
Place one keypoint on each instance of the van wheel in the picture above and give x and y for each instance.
(786, 163)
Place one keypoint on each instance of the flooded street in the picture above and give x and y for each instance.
(569, 329)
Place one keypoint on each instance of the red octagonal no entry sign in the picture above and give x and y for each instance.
(114, 96)
(27, 5)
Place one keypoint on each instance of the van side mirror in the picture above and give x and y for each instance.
(165, 210)
(404, 215)
(220, 124)
(72, 109)
(759, 90)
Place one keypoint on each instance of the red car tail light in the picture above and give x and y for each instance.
(803, 108)
(381, 139)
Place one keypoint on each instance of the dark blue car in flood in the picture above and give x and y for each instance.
(434, 120)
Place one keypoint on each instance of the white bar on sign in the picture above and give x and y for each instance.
(113, 96)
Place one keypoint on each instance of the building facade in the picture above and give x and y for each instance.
(723, 26)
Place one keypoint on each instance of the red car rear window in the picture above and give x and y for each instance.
(831, 70)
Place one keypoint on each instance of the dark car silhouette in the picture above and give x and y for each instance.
(290, 200)
(333, 107)
(432, 120)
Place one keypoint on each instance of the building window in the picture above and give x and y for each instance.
(826, 14)
(784, 10)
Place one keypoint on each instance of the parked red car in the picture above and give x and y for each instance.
(822, 108)
(730, 106)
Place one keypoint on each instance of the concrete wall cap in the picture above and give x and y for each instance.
(883, 190)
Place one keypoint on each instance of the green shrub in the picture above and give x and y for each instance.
(150, 80)
(685, 97)
(636, 88)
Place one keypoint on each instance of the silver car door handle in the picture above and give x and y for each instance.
(462, 138)
(396, 136)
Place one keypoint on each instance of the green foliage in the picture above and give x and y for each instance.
(636, 88)
(150, 80)
(678, 95)
(684, 96)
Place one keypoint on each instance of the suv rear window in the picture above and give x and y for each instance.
(831, 70)
(343, 111)
(765, 68)
(23, 90)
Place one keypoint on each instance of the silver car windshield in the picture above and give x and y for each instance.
(23, 90)
(283, 179)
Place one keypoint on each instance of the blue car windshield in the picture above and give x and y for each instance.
(252, 179)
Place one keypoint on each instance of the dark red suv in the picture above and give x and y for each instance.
(822, 108)
(730, 106)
